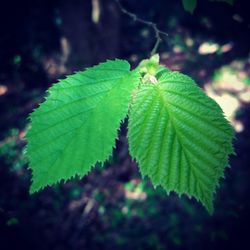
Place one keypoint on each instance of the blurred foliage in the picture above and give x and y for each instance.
(11, 151)
(232, 74)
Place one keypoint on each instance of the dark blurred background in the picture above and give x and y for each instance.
(113, 208)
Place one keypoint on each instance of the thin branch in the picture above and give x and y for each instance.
(152, 25)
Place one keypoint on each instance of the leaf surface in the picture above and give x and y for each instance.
(77, 125)
(179, 137)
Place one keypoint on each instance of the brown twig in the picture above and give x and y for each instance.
(152, 25)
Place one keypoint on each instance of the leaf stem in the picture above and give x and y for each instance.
(152, 25)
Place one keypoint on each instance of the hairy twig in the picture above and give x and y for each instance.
(152, 25)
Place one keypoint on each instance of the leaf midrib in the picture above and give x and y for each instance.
(166, 105)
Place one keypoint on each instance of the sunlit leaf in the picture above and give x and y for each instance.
(77, 125)
(179, 137)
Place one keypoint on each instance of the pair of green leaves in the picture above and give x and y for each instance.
(177, 134)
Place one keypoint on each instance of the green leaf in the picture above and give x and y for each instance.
(179, 137)
(77, 125)
(189, 5)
